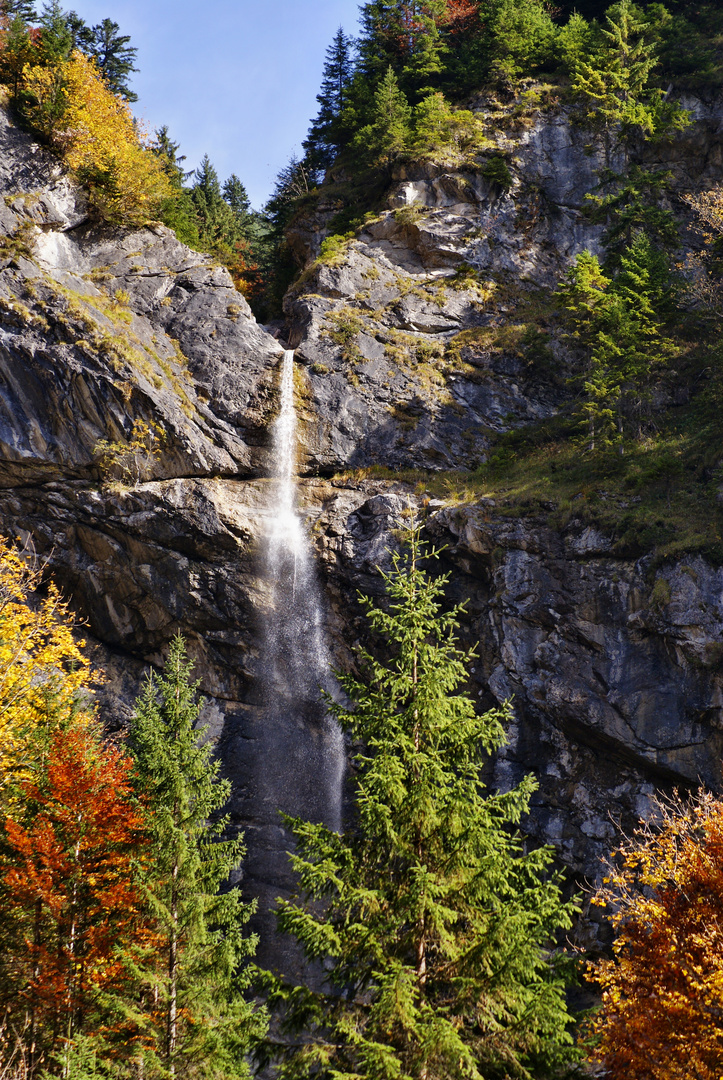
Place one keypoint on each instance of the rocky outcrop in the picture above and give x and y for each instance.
(406, 360)
(100, 329)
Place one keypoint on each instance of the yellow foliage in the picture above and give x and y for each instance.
(42, 668)
(661, 992)
(96, 135)
(131, 460)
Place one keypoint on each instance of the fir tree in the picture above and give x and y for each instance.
(435, 925)
(331, 129)
(115, 57)
(204, 1023)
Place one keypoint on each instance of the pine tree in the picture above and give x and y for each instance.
(114, 56)
(435, 925)
(81, 33)
(331, 129)
(203, 1021)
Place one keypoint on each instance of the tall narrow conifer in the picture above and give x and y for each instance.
(203, 1022)
(435, 924)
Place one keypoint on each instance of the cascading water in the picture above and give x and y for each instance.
(299, 752)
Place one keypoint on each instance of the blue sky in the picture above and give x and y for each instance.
(236, 79)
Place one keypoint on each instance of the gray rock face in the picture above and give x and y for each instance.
(614, 670)
(99, 330)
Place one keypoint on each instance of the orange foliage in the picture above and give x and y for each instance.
(662, 1017)
(68, 886)
(95, 132)
(462, 16)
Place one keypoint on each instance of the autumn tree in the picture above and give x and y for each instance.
(434, 922)
(660, 1016)
(73, 915)
(71, 831)
(704, 281)
(42, 665)
(202, 1022)
(96, 135)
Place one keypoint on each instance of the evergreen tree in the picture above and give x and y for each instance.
(631, 205)
(331, 129)
(178, 212)
(203, 1022)
(23, 9)
(18, 50)
(57, 39)
(236, 196)
(435, 925)
(618, 324)
(213, 214)
(81, 33)
(114, 56)
(389, 132)
(522, 36)
(616, 85)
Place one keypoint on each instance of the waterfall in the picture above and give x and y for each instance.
(298, 749)
(297, 664)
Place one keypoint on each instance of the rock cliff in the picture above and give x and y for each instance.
(406, 361)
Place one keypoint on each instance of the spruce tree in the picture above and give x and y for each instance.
(236, 196)
(57, 38)
(389, 132)
(115, 57)
(332, 127)
(615, 85)
(24, 9)
(203, 1023)
(434, 923)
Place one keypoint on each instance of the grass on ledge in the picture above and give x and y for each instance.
(661, 497)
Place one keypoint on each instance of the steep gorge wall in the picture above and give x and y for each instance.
(615, 692)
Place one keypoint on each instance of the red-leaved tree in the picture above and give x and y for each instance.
(72, 849)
